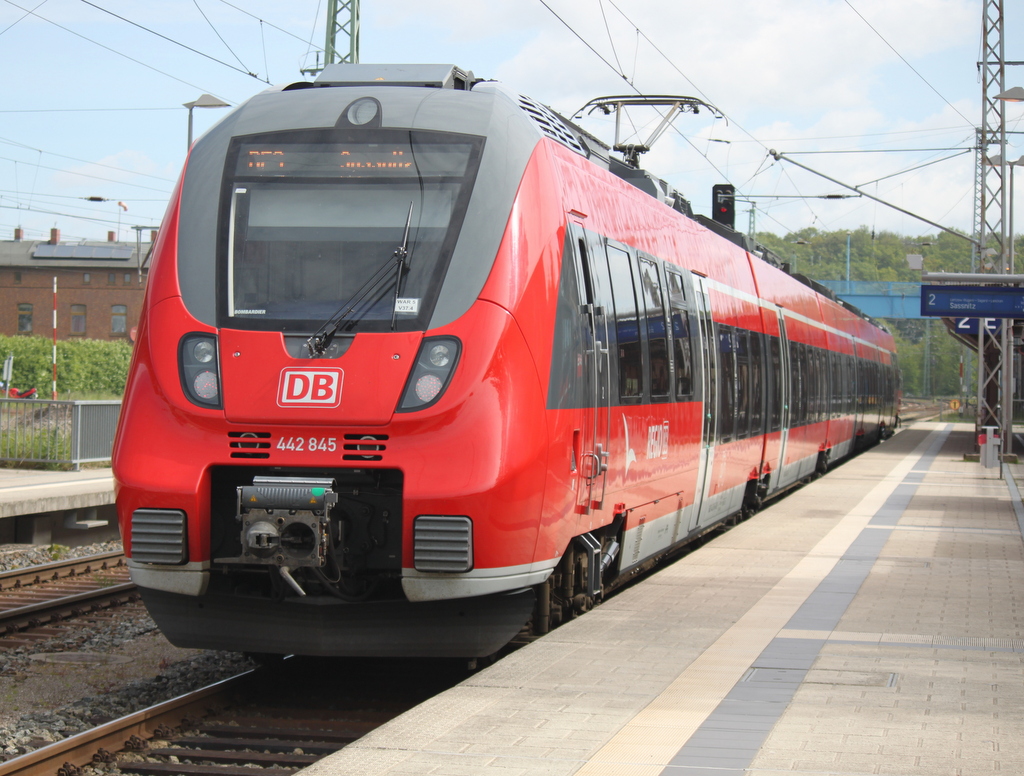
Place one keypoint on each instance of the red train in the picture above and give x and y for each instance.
(422, 365)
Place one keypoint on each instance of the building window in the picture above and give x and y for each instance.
(127, 278)
(111, 279)
(118, 319)
(24, 319)
(17, 277)
(78, 319)
(86, 278)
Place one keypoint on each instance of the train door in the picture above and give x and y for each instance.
(591, 447)
(707, 358)
(779, 358)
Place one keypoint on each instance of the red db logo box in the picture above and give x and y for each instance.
(310, 387)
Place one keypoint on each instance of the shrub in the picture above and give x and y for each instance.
(84, 366)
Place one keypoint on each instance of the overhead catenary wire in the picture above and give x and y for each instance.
(22, 17)
(221, 37)
(91, 219)
(904, 60)
(740, 127)
(111, 50)
(263, 21)
(175, 42)
(83, 174)
(84, 161)
(707, 99)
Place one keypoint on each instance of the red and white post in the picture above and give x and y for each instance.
(54, 397)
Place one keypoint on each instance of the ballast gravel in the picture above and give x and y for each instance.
(42, 701)
(19, 556)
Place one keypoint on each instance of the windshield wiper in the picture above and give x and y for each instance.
(401, 253)
(318, 343)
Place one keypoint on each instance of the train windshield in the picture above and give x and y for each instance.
(311, 224)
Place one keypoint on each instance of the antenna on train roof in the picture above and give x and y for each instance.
(676, 104)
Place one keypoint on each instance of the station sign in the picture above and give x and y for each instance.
(970, 325)
(972, 301)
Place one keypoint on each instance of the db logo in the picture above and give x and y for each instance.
(319, 388)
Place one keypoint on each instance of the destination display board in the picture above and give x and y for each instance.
(972, 301)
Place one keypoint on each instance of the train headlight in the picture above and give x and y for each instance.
(440, 355)
(362, 111)
(199, 369)
(435, 365)
(204, 351)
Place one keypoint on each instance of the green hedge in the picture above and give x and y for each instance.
(85, 368)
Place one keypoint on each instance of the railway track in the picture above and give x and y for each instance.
(277, 719)
(35, 601)
(912, 411)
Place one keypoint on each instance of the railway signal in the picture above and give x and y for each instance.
(723, 204)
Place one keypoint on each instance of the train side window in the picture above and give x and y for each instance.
(627, 324)
(834, 381)
(572, 337)
(756, 385)
(775, 381)
(657, 336)
(815, 364)
(797, 383)
(742, 340)
(682, 347)
(726, 382)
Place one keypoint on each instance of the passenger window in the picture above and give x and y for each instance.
(727, 382)
(682, 347)
(627, 324)
(756, 385)
(775, 363)
(741, 339)
(657, 337)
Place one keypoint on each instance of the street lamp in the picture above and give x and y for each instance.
(997, 161)
(1015, 94)
(204, 101)
(848, 262)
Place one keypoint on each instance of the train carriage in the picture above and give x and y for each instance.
(423, 366)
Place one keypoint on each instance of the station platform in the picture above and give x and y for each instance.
(41, 507)
(868, 623)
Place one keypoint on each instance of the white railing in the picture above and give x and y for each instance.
(66, 432)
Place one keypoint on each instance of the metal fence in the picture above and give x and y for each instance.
(66, 432)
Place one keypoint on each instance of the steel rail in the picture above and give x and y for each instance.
(60, 569)
(78, 750)
(99, 593)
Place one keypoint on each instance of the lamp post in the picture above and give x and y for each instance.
(997, 161)
(1014, 94)
(848, 262)
(203, 101)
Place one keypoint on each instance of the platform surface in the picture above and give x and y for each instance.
(32, 491)
(868, 623)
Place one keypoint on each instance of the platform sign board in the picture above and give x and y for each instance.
(970, 325)
(973, 301)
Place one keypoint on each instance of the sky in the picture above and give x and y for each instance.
(881, 94)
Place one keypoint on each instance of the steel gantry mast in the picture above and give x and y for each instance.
(995, 353)
(342, 27)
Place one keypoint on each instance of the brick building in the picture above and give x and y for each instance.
(100, 286)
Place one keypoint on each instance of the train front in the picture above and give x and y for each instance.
(322, 448)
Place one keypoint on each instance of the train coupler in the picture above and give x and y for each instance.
(285, 522)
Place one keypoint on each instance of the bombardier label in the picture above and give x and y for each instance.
(310, 387)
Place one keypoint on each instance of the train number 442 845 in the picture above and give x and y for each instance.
(312, 444)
